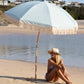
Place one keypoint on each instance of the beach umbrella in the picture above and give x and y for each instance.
(44, 17)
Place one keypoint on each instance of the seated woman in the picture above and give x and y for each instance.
(56, 68)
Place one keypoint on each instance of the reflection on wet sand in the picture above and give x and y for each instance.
(18, 53)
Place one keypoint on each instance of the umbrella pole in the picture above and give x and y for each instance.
(36, 56)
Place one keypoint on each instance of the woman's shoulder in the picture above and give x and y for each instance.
(61, 61)
(49, 59)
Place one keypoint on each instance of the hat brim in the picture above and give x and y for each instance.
(50, 52)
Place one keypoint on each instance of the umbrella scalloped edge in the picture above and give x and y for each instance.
(48, 30)
(65, 31)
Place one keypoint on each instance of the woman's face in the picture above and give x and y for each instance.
(53, 55)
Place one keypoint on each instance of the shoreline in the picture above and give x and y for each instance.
(20, 72)
(68, 66)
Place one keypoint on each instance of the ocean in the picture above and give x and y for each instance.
(22, 47)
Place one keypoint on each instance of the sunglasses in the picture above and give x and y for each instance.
(53, 53)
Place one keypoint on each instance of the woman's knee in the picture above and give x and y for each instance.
(56, 69)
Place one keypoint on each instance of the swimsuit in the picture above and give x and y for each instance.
(51, 67)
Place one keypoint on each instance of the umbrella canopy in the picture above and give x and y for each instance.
(43, 16)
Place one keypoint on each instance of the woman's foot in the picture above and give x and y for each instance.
(69, 83)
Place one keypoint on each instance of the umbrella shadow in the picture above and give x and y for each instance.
(38, 81)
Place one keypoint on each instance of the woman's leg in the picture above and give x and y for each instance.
(64, 70)
(61, 75)
(56, 78)
(51, 75)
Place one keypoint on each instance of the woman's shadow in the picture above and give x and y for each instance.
(38, 81)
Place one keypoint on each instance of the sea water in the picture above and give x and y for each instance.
(22, 47)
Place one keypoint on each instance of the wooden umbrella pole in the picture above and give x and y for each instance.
(36, 56)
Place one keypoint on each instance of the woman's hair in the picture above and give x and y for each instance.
(58, 59)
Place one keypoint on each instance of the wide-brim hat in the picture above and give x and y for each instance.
(54, 50)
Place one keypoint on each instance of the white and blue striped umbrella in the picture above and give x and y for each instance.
(44, 14)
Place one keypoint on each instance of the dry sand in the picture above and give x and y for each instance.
(20, 72)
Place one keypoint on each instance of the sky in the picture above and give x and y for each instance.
(80, 1)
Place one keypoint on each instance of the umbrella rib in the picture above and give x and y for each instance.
(49, 13)
(30, 9)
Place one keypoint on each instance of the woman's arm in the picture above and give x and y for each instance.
(62, 65)
(63, 68)
(54, 64)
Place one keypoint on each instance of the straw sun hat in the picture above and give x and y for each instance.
(54, 50)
